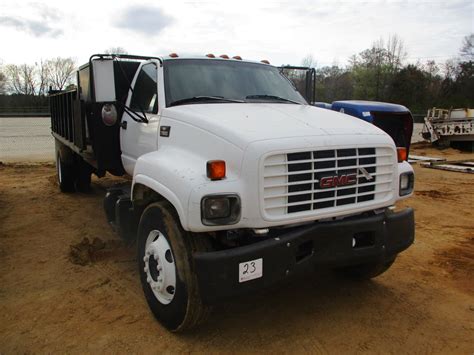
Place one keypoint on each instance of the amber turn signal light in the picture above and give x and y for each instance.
(215, 169)
(402, 154)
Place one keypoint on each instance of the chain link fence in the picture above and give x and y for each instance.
(26, 139)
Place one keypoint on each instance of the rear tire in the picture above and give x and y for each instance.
(166, 268)
(65, 169)
(83, 181)
(366, 271)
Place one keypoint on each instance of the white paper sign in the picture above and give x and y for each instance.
(250, 270)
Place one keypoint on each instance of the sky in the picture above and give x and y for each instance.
(283, 32)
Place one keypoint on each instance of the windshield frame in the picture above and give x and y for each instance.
(169, 102)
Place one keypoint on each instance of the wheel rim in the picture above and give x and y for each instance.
(160, 267)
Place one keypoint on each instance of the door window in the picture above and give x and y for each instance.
(145, 92)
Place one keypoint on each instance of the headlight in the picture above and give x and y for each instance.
(220, 210)
(407, 181)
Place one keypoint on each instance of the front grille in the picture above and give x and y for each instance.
(314, 180)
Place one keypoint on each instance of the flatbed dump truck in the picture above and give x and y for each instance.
(236, 182)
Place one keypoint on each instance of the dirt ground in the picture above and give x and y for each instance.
(423, 304)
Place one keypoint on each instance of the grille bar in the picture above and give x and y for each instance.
(329, 169)
(310, 181)
(327, 159)
(326, 199)
(325, 190)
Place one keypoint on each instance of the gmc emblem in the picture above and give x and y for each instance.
(338, 180)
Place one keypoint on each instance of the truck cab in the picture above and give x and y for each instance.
(237, 183)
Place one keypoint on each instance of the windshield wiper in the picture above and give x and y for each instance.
(202, 98)
(271, 97)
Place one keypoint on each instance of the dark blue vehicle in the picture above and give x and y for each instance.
(396, 120)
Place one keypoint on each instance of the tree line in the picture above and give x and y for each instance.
(27, 85)
(381, 73)
(35, 79)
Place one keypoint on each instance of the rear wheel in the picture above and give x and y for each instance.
(65, 169)
(83, 180)
(166, 268)
(366, 271)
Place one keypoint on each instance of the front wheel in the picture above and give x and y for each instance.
(366, 271)
(166, 268)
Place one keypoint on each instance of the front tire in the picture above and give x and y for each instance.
(366, 271)
(166, 268)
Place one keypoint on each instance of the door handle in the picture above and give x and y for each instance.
(123, 124)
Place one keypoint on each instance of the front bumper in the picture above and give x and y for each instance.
(376, 238)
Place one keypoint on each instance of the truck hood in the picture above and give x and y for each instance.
(244, 123)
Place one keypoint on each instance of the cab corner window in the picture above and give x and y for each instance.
(145, 93)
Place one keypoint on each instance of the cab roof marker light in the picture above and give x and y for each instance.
(265, 61)
(173, 55)
(224, 56)
(210, 55)
(237, 57)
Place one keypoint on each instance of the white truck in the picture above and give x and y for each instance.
(237, 183)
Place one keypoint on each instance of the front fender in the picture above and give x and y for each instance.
(172, 173)
(164, 191)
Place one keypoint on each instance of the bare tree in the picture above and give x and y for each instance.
(116, 50)
(2, 83)
(3, 80)
(396, 52)
(431, 68)
(467, 49)
(309, 61)
(21, 78)
(43, 75)
(60, 71)
(450, 69)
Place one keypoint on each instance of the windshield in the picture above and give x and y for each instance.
(219, 81)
